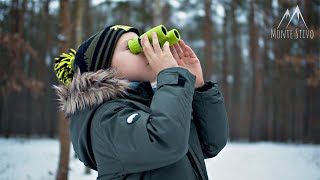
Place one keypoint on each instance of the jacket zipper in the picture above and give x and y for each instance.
(196, 163)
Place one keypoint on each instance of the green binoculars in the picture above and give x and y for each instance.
(172, 37)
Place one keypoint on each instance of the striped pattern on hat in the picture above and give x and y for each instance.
(96, 53)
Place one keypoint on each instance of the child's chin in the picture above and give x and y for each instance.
(154, 78)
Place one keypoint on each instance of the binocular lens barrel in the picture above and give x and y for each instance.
(172, 37)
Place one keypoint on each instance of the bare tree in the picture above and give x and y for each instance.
(87, 18)
(207, 36)
(64, 136)
(267, 86)
(257, 74)
(235, 106)
(78, 5)
(226, 63)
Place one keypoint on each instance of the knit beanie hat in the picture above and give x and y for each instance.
(94, 54)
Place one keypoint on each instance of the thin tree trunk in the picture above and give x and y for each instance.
(166, 13)
(64, 136)
(78, 34)
(14, 18)
(4, 115)
(237, 68)
(257, 68)
(19, 121)
(157, 16)
(275, 81)
(311, 48)
(39, 73)
(87, 17)
(21, 19)
(78, 5)
(267, 86)
(207, 36)
(49, 122)
(144, 16)
(14, 29)
(31, 35)
(226, 68)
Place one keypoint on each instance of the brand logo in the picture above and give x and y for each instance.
(297, 33)
(132, 118)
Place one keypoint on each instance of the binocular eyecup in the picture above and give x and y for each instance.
(172, 37)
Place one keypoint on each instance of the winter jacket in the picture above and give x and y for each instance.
(133, 132)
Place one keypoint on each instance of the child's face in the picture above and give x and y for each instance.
(134, 67)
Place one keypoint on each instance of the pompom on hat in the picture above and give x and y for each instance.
(93, 54)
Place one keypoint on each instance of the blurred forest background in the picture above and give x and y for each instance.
(271, 86)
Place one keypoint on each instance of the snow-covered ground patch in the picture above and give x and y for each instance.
(266, 161)
(36, 159)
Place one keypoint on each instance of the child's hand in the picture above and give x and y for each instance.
(158, 58)
(185, 57)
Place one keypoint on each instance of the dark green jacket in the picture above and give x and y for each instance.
(127, 132)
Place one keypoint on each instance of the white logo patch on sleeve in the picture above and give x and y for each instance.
(132, 118)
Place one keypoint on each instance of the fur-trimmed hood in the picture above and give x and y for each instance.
(90, 89)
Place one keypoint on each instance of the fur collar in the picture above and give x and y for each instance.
(90, 89)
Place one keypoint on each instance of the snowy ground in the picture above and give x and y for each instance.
(37, 159)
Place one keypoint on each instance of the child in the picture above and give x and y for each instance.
(123, 127)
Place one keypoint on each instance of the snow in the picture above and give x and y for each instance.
(266, 161)
(37, 159)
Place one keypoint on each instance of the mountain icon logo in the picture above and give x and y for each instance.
(297, 13)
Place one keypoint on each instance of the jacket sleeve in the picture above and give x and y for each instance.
(159, 136)
(210, 118)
